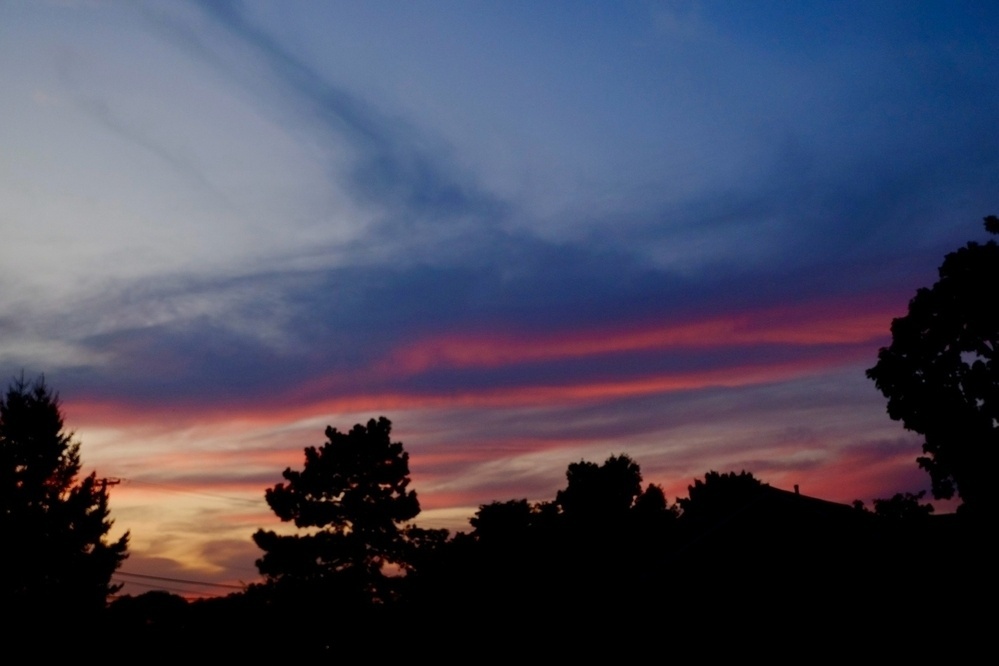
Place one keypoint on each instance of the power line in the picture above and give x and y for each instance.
(188, 595)
(228, 586)
(184, 491)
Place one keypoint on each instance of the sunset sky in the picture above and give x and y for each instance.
(528, 233)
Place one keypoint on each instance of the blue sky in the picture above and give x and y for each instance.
(527, 233)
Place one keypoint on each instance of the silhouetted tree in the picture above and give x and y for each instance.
(154, 618)
(941, 375)
(903, 506)
(55, 555)
(600, 492)
(352, 494)
(653, 508)
(720, 496)
(501, 522)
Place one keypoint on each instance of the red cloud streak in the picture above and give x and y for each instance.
(826, 323)
(839, 331)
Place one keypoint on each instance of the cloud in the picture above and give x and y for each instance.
(822, 325)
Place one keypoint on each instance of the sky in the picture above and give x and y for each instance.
(527, 233)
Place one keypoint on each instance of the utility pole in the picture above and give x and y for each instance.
(105, 482)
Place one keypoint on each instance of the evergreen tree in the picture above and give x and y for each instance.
(352, 499)
(56, 555)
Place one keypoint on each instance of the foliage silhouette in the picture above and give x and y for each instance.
(903, 506)
(600, 492)
(653, 501)
(744, 557)
(720, 496)
(352, 494)
(56, 553)
(503, 522)
(600, 545)
(940, 374)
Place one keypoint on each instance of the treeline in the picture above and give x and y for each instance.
(607, 557)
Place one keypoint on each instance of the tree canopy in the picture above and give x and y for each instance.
(600, 492)
(352, 495)
(55, 527)
(720, 496)
(941, 376)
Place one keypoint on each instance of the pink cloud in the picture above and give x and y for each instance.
(833, 332)
(835, 322)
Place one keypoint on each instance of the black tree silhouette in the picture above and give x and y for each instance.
(56, 556)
